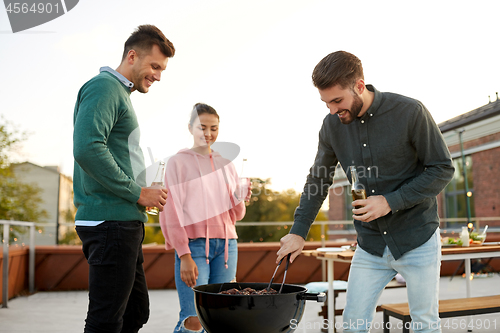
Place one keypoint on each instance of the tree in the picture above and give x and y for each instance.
(70, 237)
(267, 205)
(10, 137)
(18, 201)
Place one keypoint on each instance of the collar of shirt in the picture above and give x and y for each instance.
(120, 77)
(377, 100)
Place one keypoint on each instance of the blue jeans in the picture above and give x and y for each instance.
(118, 294)
(369, 275)
(213, 272)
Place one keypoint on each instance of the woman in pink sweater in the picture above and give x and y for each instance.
(198, 220)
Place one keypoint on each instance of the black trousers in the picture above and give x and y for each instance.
(118, 294)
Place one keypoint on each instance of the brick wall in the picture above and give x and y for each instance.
(336, 201)
(486, 177)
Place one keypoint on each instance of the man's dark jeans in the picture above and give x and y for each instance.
(118, 294)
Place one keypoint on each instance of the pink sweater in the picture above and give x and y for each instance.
(201, 201)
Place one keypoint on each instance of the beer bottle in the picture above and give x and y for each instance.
(357, 189)
(159, 180)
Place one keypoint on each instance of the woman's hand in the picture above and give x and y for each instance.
(189, 270)
(243, 191)
(249, 193)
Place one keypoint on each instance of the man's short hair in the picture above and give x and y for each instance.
(338, 68)
(143, 39)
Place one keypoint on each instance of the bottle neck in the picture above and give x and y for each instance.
(354, 178)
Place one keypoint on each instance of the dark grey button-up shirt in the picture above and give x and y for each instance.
(400, 154)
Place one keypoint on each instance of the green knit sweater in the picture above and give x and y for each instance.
(107, 153)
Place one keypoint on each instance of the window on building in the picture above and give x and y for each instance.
(455, 196)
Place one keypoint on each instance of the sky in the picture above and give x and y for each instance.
(252, 61)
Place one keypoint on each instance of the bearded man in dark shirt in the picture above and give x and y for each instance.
(405, 164)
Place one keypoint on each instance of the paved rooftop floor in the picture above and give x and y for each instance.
(64, 312)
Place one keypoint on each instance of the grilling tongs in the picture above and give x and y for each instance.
(284, 275)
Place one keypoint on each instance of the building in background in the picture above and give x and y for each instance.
(474, 135)
(57, 199)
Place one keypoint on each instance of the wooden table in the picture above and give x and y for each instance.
(448, 253)
(468, 253)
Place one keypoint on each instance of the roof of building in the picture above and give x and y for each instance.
(486, 111)
(50, 168)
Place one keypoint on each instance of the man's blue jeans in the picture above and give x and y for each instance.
(118, 294)
(213, 272)
(369, 274)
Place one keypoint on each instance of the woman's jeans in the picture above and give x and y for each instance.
(118, 294)
(213, 272)
(369, 274)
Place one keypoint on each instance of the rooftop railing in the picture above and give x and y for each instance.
(341, 228)
(31, 261)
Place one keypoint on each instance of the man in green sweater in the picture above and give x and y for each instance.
(110, 191)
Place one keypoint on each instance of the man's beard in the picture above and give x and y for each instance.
(355, 109)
